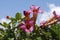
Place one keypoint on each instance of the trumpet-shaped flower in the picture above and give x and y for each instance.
(36, 9)
(28, 26)
(27, 15)
(57, 16)
(54, 13)
(43, 24)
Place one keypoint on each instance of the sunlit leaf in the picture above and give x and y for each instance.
(18, 16)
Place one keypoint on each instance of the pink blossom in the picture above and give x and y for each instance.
(28, 26)
(30, 29)
(57, 16)
(54, 12)
(26, 13)
(36, 9)
(43, 23)
(22, 26)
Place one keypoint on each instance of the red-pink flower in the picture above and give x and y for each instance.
(27, 15)
(28, 26)
(54, 12)
(36, 9)
(8, 17)
(42, 24)
(57, 16)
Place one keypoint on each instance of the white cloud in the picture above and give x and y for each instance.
(4, 20)
(54, 7)
(47, 15)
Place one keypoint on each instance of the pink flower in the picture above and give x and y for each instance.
(27, 15)
(36, 9)
(29, 22)
(54, 12)
(57, 16)
(43, 23)
(28, 26)
(29, 30)
(22, 26)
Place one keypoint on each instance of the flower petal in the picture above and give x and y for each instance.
(37, 7)
(43, 22)
(31, 28)
(22, 26)
(30, 11)
(32, 7)
(40, 11)
(55, 13)
(31, 22)
(26, 12)
(59, 18)
(26, 30)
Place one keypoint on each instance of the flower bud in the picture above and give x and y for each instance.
(26, 13)
(8, 17)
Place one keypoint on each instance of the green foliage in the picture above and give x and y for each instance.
(15, 33)
(18, 16)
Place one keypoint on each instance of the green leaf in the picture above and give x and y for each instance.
(18, 16)
(5, 25)
(1, 30)
(1, 24)
(13, 19)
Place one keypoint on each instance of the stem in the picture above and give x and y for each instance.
(14, 37)
(34, 17)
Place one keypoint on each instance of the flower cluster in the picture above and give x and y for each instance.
(29, 23)
(54, 19)
(25, 28)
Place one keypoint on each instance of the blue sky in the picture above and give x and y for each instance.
(10, 7)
